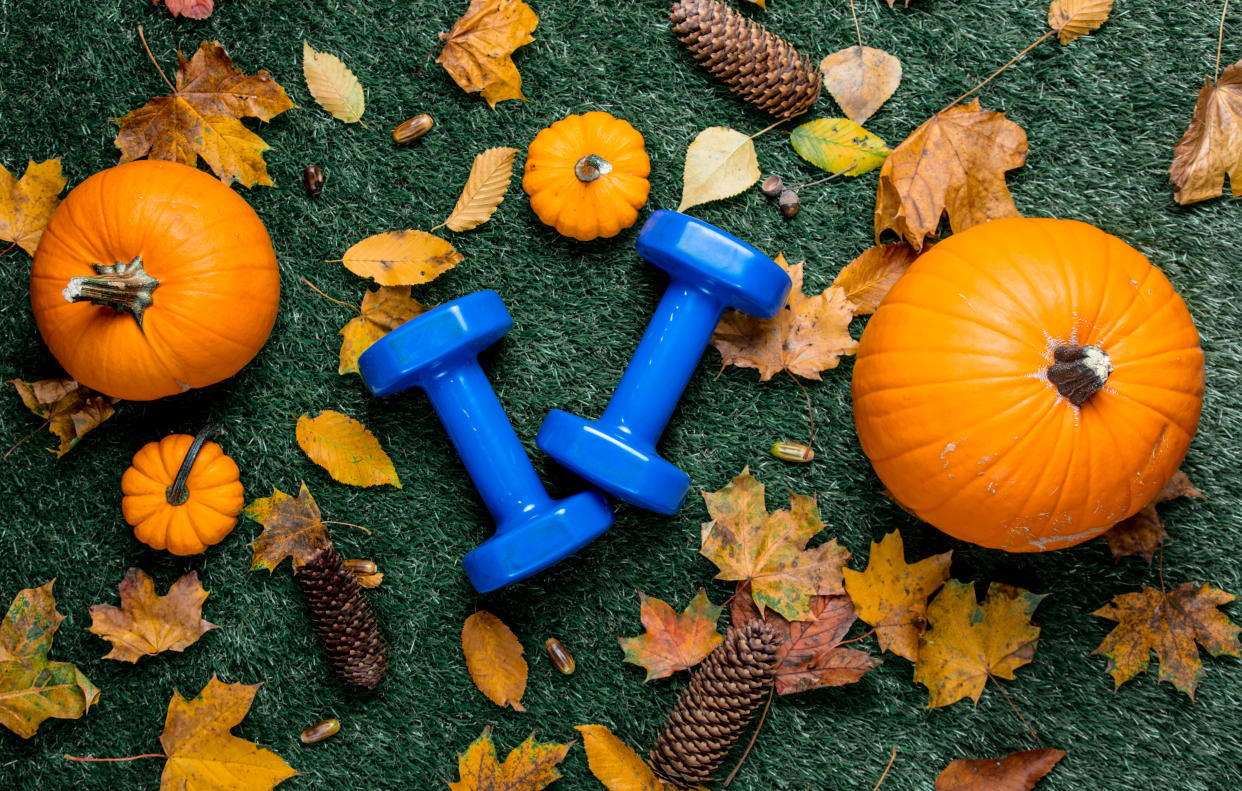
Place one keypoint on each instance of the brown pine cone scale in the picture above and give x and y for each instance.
(343, 618)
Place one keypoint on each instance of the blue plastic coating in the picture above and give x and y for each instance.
(709, 270)
(438, 351)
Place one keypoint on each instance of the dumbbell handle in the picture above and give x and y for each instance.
(481, 433)
(667, 355)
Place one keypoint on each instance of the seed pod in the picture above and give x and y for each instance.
(312, 180)
(560, 656)
(792, 451)
(320, 731)
(360, 566)
(789, 204)
(413, 129)
(772, 186)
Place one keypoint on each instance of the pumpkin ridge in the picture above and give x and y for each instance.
(1018, 307)
(968, 320)
(1172, 303)
(179, 314)
(1166, 418)
(1136, 302)
(1130, 507)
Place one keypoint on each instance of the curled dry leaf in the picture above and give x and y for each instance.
(1073, 19)
(720, 163)
(346, 449)
(839, 145)
(1212, 144)
(1016, 772)
(69, 408)
(673, 642)
(531, 766)
(191, 9)
(383, 310)
(485, 189)
(146, 623)
(614, 764)
(478, 50)
(292, 527)
(861, 79)
(332, 84)
(867, 278)
(26, 204)
(1143, 533)
(494, 659)
(401, 258)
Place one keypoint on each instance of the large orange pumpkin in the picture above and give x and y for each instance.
(153, 278)
(1028, 383)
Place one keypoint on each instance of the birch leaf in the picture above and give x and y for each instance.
(332, 84)
(861, 79)
(484, 190)
(839, 145)
(346, 449)
(720, 163)
(401, 258)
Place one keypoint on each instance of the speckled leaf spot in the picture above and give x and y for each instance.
(839, 145)
(346, 449)
(292, 527)
(531, 766)
(401, 258)
(673, 642)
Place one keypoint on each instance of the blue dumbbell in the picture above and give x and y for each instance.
(438, 351)
(710, 270)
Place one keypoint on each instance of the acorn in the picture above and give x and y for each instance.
(789, 204)
(772, 186)
(413, 129)
(312, 180)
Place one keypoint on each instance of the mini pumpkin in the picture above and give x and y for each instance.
(1028, 383)
(152, 278)
(587, 175)
(182, 493)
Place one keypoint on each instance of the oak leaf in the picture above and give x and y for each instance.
(861, 79)
(891, 594)
(26, 204)
(531, 766)
(146, 624)
(868, 278)
(1168, 623)
(292, 527)
(401, 258)
(70, 409)
(333, 85)
(808, 336)
(201, 751)
(614, 764)
(32, 688)
(202, 118)
(1015, 772)
(383, 310)
(191, 9)
(720, 163)
(953, 164)
(673, 642)
(485, 189)
(1142, 533)
(966, 643)
(769, 550)
(478, 51)
(839, 145)
(494, 659)
(1212, 145)
(1073, 19)
(346, 449)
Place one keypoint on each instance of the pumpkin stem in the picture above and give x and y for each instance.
(124, 287)
(177, 494)
(591, 167)
(1079, 371)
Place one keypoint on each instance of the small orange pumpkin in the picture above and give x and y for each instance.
(152, 278)
(587, 175)
(1028, 383)
(182, 493)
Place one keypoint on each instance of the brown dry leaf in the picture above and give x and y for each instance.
(891, 594)
(146, 624)
(201, 752)
(1212, 144)
(346, 449)
(769, 550)
(614, 764)
(867, 278)
(70, 409)
(1168, 623)
(953, 164)
(485, 189)
(190, 9)
(291, 528)
(401, 258)
(26, 204)
(370, 580)
(529, 767)
(494, 659)
(861, 79)
(478, 50)
(383, 310)
(967, 642)
(1015, 772)
(1073, 19)
(202, 118)
(1143, 533)
(808, 336)
(673, 642)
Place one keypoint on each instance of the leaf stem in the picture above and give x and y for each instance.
(1014, 60)
(809, 413)
(765, 129)
(38, 428)
(346, 524)
(110, 760)
(858, 29)
(10, 247)
(830, 177)
(890, 766)
(325, 296)
(862, 636)
(1029, 729)
(753, 736)
(154, 61)
(1220, 40)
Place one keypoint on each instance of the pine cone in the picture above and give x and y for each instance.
(343, 618)
(715, 706)
(758, 66)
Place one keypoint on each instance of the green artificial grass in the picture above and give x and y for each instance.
(1101, 117)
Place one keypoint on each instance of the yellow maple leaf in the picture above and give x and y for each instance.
(1212, 144)
(485, 189)
(292, 527)
(70, 409)
(867, 278)
(346, 449)
(332, 84)
(401, 258)
(146, 624)
(529, 767)
(614, 764)
(383, 310)
(26, 204)
(494, 659)
(673, 642)
(478, 50)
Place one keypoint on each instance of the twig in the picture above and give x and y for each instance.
(890, 766)
(809, 413)
(10, 247)
(1220, 40)
(1015, 59)
(825, 178)
(857, 29)
(765, 129)
(753, 736)
(109, 760)
(347, 524)
(325, 296)
(1015, 708)
(153, 60)
(40, 427)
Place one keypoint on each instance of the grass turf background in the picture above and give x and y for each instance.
(1101, 117)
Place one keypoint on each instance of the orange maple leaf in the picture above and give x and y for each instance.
(383, 310)
(529, 767)
(673, 642)
(478, 50)
(146, 624)
(1016, 772)
(70, 409)
(808, 336)
(614, 764)
(292, 527)
(26, 204)
(202, 118)
(1212, 144)
(1142, 533)
(867, 279)
(494, 659)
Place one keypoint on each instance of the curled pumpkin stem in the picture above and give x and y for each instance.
(177, 493)
(1079, 372)
(591, 167)
(124, 287)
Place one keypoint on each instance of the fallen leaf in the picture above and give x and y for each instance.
(839, 145)
(333, 85)
(202, 118)
(807, 337)
(146, 624)
(383, 310)
(26, 204)
(967, 642)
(673, 642)
(769, 550)
(614, 764)
(191, 9)
(1212, 144)
(346, 449)
(202, 754)
(953, 164)
(478, 51)
(69, 408)
(867, 278)
(891, 594)
(1168, 623)
(494, 659)
(861, 79)
(1073, 19)
(529, 767)
(1142, 533)
(720, 163)
(370, 580)
(401, 258)
(32, 688)
(1015, 772)
(485, 189)
(291, 528)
